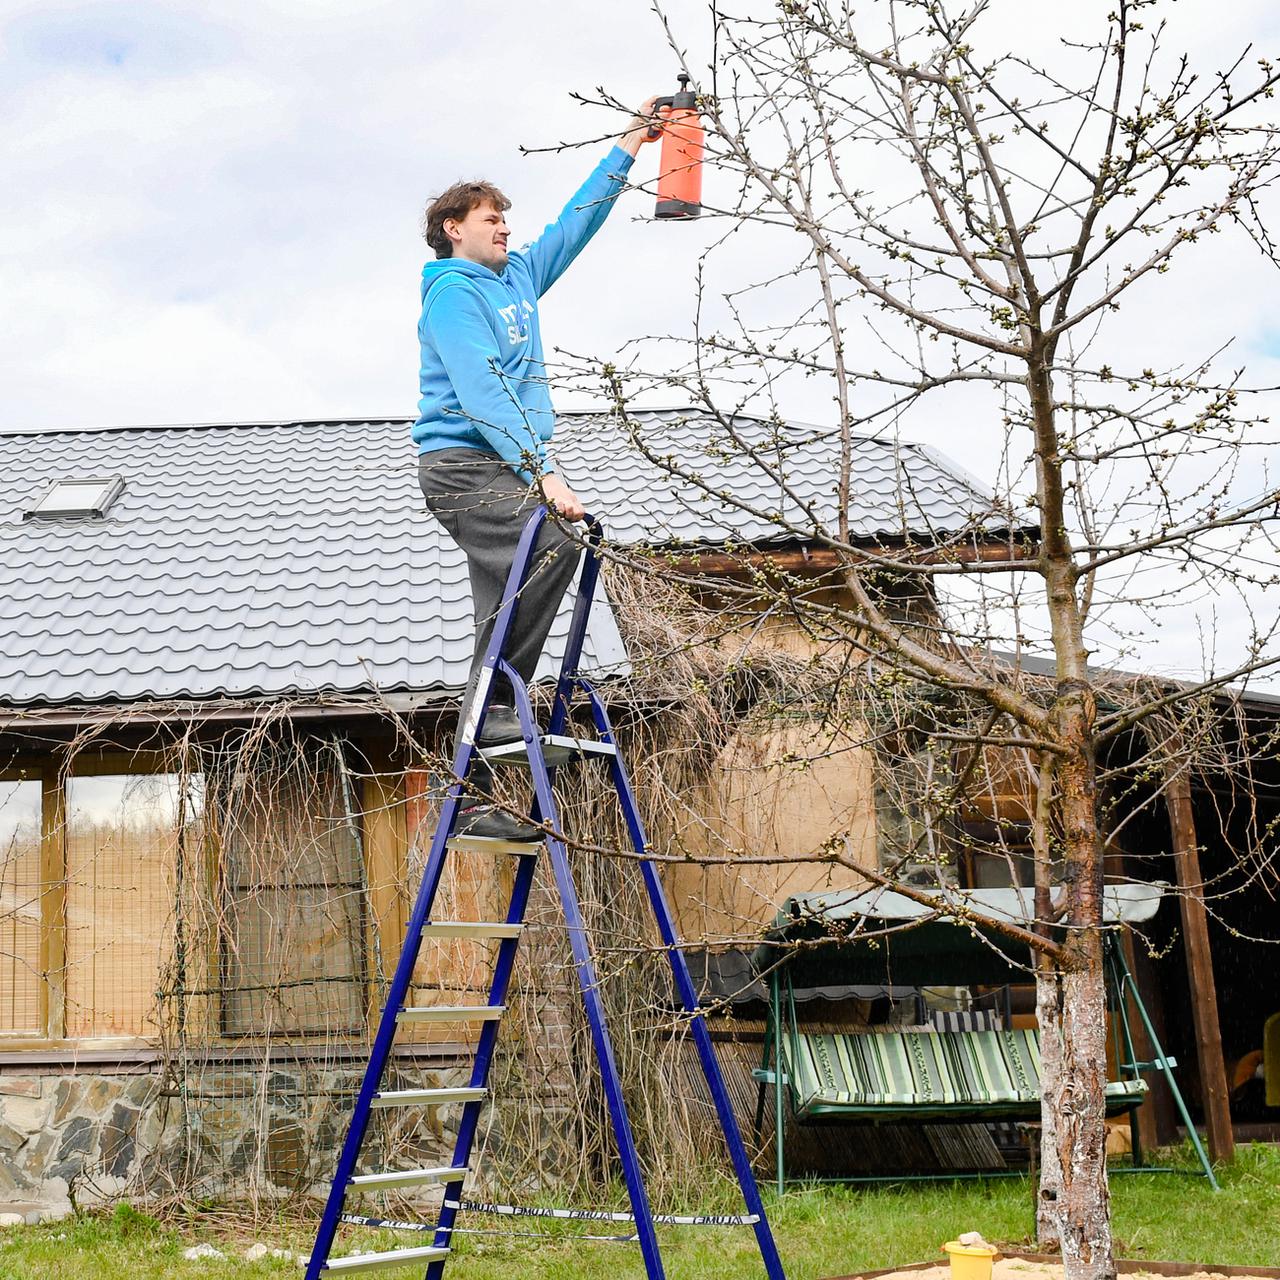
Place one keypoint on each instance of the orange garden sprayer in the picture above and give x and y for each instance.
(680, 168)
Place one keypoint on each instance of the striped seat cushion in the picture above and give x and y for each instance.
(969, 1070)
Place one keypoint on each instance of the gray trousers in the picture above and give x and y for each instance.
(484, 506)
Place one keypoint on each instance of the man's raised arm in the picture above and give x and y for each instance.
(552, 252)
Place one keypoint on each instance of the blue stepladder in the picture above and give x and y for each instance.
(541, 753)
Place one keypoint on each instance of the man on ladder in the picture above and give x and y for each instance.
(485, 419)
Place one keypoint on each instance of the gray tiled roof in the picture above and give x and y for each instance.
(759, 482)
(296, 558)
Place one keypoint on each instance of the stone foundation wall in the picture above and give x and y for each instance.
(80, 1139)
(75, 1137)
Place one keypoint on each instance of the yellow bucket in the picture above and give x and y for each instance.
(969, 1261)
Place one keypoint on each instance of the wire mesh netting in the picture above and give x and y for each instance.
(222, 905)
(234, 901)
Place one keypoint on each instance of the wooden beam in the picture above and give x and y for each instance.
(825, 559)
(53, 902)
(386, 851)
(1204, 993)
(145, 715)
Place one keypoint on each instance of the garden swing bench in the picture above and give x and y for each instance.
(933, 1075)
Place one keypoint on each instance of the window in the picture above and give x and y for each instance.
(293, 946)
(86, 497)
(214, 905)
(20, 905)
(122, 839)
(995, 822)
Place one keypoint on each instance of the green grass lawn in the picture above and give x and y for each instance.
(821, 1232)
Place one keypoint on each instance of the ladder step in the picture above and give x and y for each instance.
(451, 1013)
(393, 1258)
(406, 1178)
(426, 1097)
(487, 844)
(470, 929)
(557, 748)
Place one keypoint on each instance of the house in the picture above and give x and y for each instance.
(228, 654)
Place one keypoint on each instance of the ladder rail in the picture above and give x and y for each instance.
(589, 985)
(688, 994)
(486, 1044)
(1125, 981)
(398, 990)
(397, 994)
(521, 887)
(568, 679)
(543, 809)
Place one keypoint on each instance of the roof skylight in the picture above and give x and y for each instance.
(89, 496)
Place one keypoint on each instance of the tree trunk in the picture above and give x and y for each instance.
(1049, 1000)
(1073, 1209)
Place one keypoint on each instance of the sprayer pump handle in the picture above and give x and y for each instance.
(655, 131)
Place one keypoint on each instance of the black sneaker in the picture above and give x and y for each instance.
(501, 725)
(485, 822)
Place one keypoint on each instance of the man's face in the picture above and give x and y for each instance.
(480, 237)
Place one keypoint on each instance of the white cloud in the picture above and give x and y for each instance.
(210, 212)
(254, 214)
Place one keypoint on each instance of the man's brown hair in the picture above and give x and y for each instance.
(457, 202)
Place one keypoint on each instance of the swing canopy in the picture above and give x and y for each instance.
(879, 937)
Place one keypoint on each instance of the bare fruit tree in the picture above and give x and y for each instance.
(951, 205)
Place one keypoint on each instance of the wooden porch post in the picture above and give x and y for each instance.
(1204, 994)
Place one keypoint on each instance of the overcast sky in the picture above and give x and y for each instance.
(210, 212)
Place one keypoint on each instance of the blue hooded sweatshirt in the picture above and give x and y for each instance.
(483, 379)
